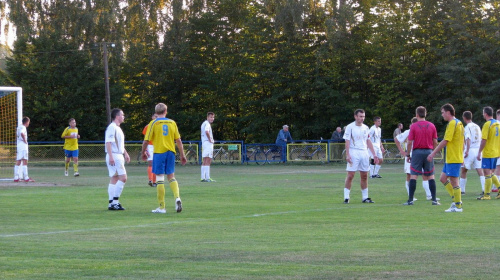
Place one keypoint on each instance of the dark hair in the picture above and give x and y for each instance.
(114, 113)
(357, 111)
(448, 108)
(376, 118)
(414, 120)
(72, 119)
(421, 111)
(488, 111)
(210, 113)
(467, 115)
(25, 120)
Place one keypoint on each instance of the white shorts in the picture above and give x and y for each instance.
(378, 152)
(151, 150)
(360, 161)
(22, 154)
(207, 150)
(471, 160)
(498, 161)
(118, 168)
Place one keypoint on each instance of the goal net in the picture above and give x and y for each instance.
(11, 112)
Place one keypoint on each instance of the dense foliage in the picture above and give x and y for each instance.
(258, 64)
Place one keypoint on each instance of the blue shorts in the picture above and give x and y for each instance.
(70, 154)
(164, 163)
(452, 169)
(489, 163)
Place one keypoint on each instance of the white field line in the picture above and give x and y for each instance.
(23, 234)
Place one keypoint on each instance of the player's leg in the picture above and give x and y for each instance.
(75, 163)
(151, 180)
(25, 170)
(67, 159)
(379, 165)
(174, 185)
(363, 167)
(463, 177)
(17, 167)
(488, 165)
(351, 169)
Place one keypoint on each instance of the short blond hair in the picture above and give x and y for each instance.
(161, 109)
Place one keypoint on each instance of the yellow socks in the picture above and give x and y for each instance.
(174, 186)
(488, 182)
(75, 167)
(449, 188)
(66, 165)
(457, 196)
(160, 193)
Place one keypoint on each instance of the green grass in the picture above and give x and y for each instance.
(256, 222)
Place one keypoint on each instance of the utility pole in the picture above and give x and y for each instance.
(106, 82)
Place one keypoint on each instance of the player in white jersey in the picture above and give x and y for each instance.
(376, 138)
(357, 144)
(497, 169)
(400, 139)
(472, 134)
(207, 150)
(116, 156)
(22, 151)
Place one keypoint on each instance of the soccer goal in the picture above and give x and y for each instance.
(11, 115)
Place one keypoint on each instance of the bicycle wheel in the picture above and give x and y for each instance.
(388, 157)
(296, 154)
(260, 157)
(234, 157)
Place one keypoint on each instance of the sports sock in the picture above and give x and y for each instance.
(457, 196)
(377, 168)
(119, 188)
(482, 180)
(174, 186)
(364, 194)
(111, 192)
(495, 180)
(407, 185)
(203, 172)
(347, 193)
(432, 189)
(372, 169)
(160, 193)
(75, 167)
(487, 185)
(463, 182)
(16, 172)
(449, 188)
(66, 166)
(208, 172)
(412, 187)
(425, 185)
(25, 172)
(150, 173)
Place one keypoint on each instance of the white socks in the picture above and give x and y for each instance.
(205, 172)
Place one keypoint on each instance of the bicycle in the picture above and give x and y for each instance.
(223, 156)
(309, 152)
(260, 155)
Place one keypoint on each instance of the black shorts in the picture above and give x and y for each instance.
(419, 163)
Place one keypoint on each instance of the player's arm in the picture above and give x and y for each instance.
(144, 150)
(437, 149)
(109, 150)
(24, 138)
(481, 148)
(370, 147)
(467, 147)
(126, 156)
(65, 133)
(409, 149)
(347, 152)
(398, 145)
(180, 147)
(207, 132)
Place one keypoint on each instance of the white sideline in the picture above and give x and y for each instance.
(185, 221)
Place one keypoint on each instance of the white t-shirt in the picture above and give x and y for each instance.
(20, 142)
(205, 126)
(376, 136)
(115, 136)
(402, 138)
(357, 135)
(472, 131)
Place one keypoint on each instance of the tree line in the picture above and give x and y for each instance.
(258, 64)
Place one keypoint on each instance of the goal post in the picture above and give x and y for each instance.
(11, 115)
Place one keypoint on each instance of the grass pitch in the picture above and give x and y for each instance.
(255, 222)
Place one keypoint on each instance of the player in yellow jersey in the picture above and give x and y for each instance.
(71, 136)
(490, 148)
(164, 133)
(453, 142)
